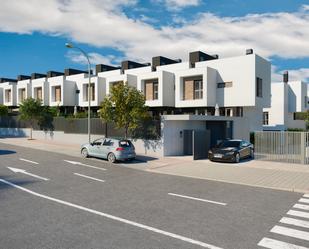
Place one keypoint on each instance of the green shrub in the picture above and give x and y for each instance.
(4, 110)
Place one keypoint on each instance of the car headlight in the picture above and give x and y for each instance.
(230, 153)
(209, 152)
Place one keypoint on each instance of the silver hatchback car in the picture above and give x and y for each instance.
(110, 148)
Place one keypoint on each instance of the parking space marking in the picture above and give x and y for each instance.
(290, 232)
(295, 222)
(198, 199)
(28, 161)
(89, 177)
(84, 165)
(112, 217)
(276, 244)
(306, 195)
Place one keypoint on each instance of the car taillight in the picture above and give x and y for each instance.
(119, 149)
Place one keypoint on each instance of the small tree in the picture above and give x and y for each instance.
(30, 110)
(125, 107)
(4, 110)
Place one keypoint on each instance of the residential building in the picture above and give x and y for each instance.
(40, 88)
(8, 87)
(23, 88)
(287, 99)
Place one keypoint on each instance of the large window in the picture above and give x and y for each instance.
(8, 95)
(198, 89)
(38, 93)
(259, 87)
(155, 90)
(22, 94)
(58, 93)
(92, 92)
(265, 118)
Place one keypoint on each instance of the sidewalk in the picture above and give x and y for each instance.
(283, 176)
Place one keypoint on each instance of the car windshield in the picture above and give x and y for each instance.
(226, 144)
(125, 143)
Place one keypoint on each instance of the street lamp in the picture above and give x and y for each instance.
(70, 45)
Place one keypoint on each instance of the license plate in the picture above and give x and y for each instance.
(218, 155)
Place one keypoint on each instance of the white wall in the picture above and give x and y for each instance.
(26, 84)
(9, 86)
(41, 82)
(297, 96)
(172, 141)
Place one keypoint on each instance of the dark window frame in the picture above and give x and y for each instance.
(259, 87)
(198, 91)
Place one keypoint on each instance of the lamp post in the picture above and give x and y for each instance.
(70, 45)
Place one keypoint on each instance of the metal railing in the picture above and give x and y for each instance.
(288, 147)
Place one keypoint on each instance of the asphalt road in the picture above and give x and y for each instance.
(57, 204)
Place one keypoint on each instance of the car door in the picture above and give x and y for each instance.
(106, 147)
(245, 149)
(94, 149)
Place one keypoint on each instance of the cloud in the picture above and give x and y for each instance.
(176, 5)
(103, 23)
(94, 58)
(294, 75)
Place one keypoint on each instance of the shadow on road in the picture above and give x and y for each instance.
(7, 152)
(4, 185)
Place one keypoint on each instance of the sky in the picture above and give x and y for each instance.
(33, 32)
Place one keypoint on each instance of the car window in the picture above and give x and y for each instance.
(125, 143)
(226, 144)
(108, 142)
(244, 144)
(97, 142)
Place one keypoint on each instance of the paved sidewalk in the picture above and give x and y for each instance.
(283, 176)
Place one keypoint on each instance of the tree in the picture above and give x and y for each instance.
(125, 107)
(30, 110)
(4, 110)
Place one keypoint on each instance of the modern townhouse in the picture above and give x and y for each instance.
(23, 88)
(287, 99)
(8, 87)
(40, 88)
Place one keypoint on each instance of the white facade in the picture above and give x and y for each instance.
(286, 99)
(97, 91)
(61, 91)
(9, 93)
(24, 90)
(166, 93)
(40, 90)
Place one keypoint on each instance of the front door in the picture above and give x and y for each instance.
(95, 148)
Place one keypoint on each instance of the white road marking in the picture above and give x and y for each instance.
(301, 206)
(15, 170)
(290, 232)
(306, 195)
(276, 244)
(198, 199)
(112, 217)
(304, 200)
(298, 214)
(28, 161)
(89, 177)
(295, 222)
(82, 164)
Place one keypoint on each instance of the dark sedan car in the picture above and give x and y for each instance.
(231, 151)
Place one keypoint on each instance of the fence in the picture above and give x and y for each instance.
(288, 147)
(148, 130)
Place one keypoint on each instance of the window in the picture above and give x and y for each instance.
(8, 95)
(58, 93)
(229, 112)
(22, 94)
(259, 87)
(198, 89)
(92, 92)
(38, 93)
(97, 142)
(108, 142)
(265, 118)
(155, 90)
(224, 84)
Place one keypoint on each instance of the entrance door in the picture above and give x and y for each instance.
(201, 144)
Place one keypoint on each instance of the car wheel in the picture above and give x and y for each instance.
(85, 153)
(252, 154)
(111, 158)
(237, 158)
